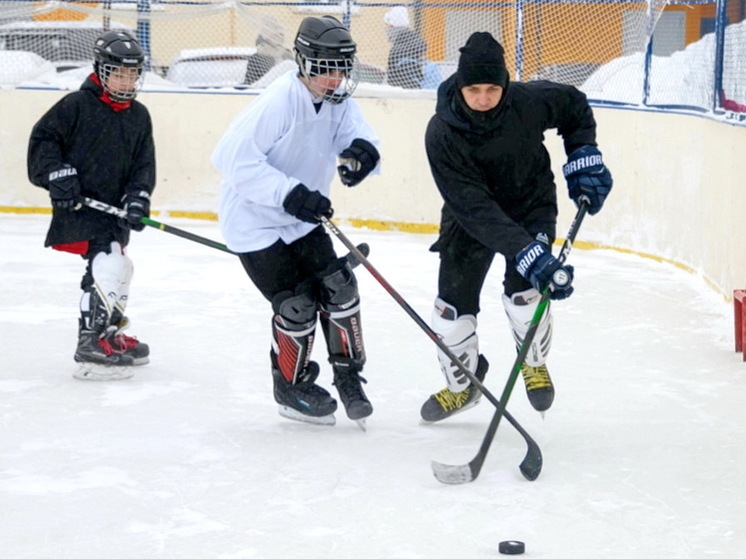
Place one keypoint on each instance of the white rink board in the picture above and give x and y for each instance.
(677, 194)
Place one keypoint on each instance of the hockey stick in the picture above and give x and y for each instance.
(532, 462)
(119, 212)
(446, 473)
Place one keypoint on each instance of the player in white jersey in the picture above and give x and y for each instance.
(277, 160)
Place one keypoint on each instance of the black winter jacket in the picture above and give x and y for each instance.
(495, 176)
(113, 152)
(406, 59)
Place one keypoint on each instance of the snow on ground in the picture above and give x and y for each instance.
(643, 448)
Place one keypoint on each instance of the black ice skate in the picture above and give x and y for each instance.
(131, 346)
(539, 388)
(349, 384)
(304, 400)
(99, 360)
(445, 403)
(128, 345)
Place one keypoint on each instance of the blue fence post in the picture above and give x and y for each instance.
(143, 28)
(347, 14)
(720, 23)
(519, 39)
(650, 29)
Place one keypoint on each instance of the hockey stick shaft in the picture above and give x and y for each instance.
(119, 212)
(461, 474)
(531, 465)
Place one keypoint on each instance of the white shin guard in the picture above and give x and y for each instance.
(459, 333)
(112, 274)
(520, 308)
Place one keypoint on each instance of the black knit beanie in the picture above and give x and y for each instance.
(482, 60)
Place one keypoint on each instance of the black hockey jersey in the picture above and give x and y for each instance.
(110, 145)
(494, 174)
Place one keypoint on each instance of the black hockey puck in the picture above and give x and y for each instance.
(512, 547)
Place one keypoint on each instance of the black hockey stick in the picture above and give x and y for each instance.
(446, 473)
(532, 463)
(119, 212)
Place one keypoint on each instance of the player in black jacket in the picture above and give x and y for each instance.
(408, 50)
(98, 142)
(486, 153)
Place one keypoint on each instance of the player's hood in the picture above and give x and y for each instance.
(452, 108)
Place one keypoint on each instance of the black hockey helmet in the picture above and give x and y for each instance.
(115, 50)
(324, 45)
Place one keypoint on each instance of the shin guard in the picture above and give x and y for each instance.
(520, 308)
(459, 333)
(106, 287)
(340, 319)
(293, 328)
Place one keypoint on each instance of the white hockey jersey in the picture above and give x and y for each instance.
(275, 143)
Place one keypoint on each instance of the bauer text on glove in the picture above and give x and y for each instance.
(137, 206)
(537, 265)
(587, 177)
(307, 205)
(357, 161)
(64, 188)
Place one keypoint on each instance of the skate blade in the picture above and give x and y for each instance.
(362, 424)
(295, 415)
(140, 361)
(96, 372)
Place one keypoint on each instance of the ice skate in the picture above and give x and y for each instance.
(99, 361)
(349, 385)
(303, 400)
(446, 403)
(128, 345)
(539, 388)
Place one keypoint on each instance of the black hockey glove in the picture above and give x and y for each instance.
(588, 177)
(307, 205)
(357, 161)
(137, 206)
(537, 265)
(64, 188)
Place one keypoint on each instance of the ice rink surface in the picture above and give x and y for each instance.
(644, 448)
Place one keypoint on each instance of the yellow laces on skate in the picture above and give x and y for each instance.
(453, 400)
(536, 377)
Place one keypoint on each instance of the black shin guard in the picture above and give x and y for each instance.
(293, 328)
(340, 319)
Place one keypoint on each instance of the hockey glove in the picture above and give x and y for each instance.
(357, 161)
(537, 265)
(137, 207)
(588, 177)
(64, 188)
(307, 205)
